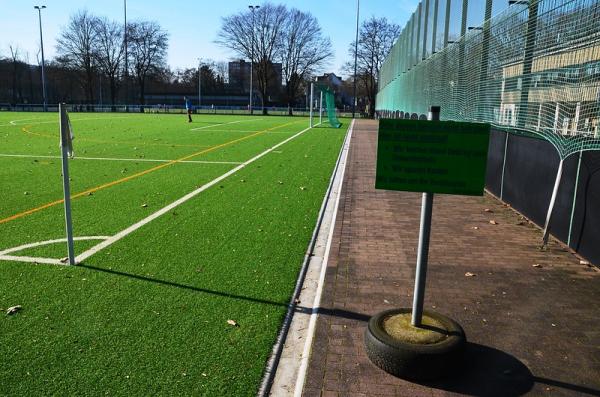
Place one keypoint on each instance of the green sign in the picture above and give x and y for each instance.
(432, 156)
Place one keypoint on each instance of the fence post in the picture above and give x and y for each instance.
(551, 205)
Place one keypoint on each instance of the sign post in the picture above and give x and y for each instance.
(66, 145)
(430, 157)
(423, 248)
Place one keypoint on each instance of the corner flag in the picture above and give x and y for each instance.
(67, 135)
(66, 145)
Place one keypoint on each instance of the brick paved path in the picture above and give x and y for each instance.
(532, 330)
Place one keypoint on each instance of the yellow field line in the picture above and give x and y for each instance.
(25, 130)
(141, 173)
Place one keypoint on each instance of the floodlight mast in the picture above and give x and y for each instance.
(252, 9)
(354, 102)
(40, 8)
(126, 56)
(199, 83)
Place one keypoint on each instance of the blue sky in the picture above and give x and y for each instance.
(192, 25)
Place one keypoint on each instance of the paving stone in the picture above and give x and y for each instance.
(515, 351)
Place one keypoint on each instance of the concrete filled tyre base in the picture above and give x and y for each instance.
(410, 360)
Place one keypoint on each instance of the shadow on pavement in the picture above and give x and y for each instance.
(487, 372)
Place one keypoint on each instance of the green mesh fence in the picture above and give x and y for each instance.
(330, 104)
(532, 69)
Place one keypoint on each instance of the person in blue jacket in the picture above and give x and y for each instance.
(188, 107)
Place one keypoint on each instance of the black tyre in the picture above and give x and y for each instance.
(410, 360)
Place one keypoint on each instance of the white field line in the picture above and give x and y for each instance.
(48, 242)
(49, 261)
(310, 333)
(268, 132)
(31, 259)
(14, 122)
(86, 254)
(230, 122)
(120, 159)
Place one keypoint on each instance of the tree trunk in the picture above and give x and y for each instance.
(113, 92)
(141, 82)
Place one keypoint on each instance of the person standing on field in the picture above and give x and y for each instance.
(188, 107)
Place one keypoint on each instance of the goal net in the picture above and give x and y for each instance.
(323, 102)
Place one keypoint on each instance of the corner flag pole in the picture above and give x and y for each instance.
(66, 146)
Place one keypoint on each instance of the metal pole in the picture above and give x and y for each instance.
(310, 114)
(252, 8)
(425, 29)
(419, 30)
(199, 84)
(40, 8)
(503, 166)
(447, 23)
(463, 20)
(126, 56)
(64, 130)
(355, 58)
(321, 108)
(551, 206)
(575, 196)
(435, 23)
(423, 250)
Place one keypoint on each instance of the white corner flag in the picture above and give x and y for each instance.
(67, 136)
(66, 144)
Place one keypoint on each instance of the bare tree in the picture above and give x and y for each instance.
(376, 38)
(303, 50)
(17, 71)
(260, 30)
(75, 47)
(109, 52)
(148, 45)
(222, 72)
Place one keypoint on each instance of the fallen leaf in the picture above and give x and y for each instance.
(537, 265)
(488, 210)
(386, 301)
(232, 323)
(13, 309)
(469, 274)
(493, 222)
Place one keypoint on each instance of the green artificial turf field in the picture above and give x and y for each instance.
(148, 314)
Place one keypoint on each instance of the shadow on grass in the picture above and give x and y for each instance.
(486, 371)
(299, 309)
